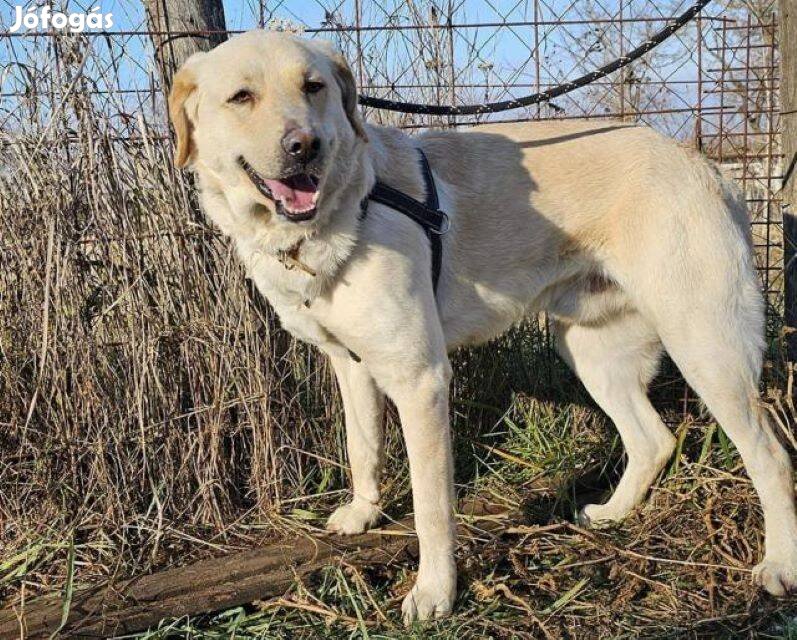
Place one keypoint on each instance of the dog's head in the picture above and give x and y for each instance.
(270, 120)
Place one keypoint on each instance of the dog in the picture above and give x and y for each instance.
(630, 242)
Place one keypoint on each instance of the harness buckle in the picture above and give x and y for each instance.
(445, 227)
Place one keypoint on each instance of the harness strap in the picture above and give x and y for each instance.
(433, 202)
(427, 214)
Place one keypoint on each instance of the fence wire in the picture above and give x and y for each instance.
(713, 86)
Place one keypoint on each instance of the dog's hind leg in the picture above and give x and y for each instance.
(616, 361)
(363, 405)
(718, 349)
(690, 272)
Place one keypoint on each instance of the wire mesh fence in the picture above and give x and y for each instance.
(133, 354)
(712, 85)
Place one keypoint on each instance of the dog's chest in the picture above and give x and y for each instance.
(291, 295)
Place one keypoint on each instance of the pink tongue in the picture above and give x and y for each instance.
(297, 193)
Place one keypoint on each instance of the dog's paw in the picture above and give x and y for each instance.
(354, 517)
(777, 576)
(595, 516)
(430, 598)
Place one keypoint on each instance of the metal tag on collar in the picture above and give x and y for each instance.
(290, 259)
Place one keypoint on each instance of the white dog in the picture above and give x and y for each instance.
(630, 242)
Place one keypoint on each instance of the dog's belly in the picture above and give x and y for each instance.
(587, 300)
(479, 313)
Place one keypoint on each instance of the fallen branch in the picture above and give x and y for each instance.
(134, 604)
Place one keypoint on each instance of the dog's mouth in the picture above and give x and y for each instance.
(295, 196)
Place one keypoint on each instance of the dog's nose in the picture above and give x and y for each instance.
(301, 144)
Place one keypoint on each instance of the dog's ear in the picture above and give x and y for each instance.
(183, 86)
(348, 89)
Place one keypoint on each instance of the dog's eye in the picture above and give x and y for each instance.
(241, 97)
(312, 86)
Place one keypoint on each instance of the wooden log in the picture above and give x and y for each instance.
(135, 604)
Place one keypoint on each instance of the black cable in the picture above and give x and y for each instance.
(543, 96)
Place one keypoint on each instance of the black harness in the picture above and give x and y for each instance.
(427, 214)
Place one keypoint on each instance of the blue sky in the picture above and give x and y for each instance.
(488, 55)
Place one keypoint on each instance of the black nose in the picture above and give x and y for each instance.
(301, 144)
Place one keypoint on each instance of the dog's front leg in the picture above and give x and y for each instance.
(363, 405)
(422, 401)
